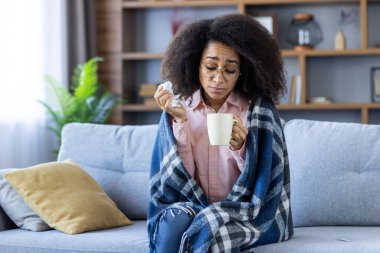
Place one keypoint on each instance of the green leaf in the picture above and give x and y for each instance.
(88, 104)
(65, 102)
(104, 107)
(88, 79)
(75, 79)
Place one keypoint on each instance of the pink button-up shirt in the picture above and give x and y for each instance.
(215, 168)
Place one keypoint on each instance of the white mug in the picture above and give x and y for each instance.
(219, 128)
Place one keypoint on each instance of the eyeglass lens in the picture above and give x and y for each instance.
(229, 73)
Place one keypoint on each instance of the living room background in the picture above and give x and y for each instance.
(53, 36)
(40, 37)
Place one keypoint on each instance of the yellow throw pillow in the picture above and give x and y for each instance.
(66, 197)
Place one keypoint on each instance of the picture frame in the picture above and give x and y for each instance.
(375, 84)
(268, 20)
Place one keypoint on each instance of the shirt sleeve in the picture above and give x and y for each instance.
(180, 131)
(239, 156)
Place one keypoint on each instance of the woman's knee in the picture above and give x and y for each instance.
(173, 223)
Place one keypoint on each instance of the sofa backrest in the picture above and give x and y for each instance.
(117, 157)
(334, 168)
(335, 173)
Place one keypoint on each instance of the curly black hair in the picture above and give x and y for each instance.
(261, 65)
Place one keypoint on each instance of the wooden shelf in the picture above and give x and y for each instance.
(280, 2)
(198, 3)
(363, 107)
(142, 56)
(182, 3)
(285, 53)
(120, 21)
(330, 106)
(139, 108)
(327, 52)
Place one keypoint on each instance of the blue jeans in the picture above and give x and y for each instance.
(173, 223)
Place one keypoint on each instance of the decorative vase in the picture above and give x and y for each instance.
(304, 32)
(340, 41)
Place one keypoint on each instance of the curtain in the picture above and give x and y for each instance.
(31, 46)
(81, 23)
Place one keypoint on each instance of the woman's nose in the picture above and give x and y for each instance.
(219, 77)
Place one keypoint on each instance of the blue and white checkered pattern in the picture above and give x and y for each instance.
(255, 212)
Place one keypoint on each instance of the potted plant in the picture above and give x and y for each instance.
(86, 101)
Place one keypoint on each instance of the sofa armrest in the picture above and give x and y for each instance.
(5, 222)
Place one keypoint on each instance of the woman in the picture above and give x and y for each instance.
(214, 198)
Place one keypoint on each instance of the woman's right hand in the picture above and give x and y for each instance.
(164, 100)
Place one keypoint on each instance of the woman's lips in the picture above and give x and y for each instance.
(216, 90)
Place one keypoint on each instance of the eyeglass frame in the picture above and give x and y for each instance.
(221, 70)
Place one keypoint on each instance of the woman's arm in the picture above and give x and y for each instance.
(164, 100)
(239, 156)
(179, 125)
(180, 131)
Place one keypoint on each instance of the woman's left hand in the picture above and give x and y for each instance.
(239, 134)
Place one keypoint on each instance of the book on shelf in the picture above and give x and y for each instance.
(292, 91)
(144, 93)
(295, 90)
(147, 89)
(319, 100)
(148, 86)
(375, 74)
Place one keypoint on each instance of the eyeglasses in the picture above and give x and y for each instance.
(228, 73)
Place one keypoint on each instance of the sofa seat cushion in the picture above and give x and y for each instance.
(129, 239)
(328, 239)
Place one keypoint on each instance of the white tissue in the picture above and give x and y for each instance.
(168, 86)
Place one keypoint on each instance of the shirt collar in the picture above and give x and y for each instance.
(196, 100)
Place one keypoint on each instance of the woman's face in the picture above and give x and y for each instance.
(218, 72)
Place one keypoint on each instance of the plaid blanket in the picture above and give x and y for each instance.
(255, 212)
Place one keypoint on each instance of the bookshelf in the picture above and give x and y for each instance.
(132, 36)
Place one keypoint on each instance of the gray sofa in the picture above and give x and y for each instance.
(335, 180)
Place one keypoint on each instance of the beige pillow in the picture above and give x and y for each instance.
(66, 197)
